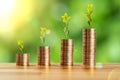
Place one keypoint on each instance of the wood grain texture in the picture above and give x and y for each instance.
(10, 71)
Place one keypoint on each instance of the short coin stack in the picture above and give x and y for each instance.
(67, 46)
(44, 56)
(22, 59)
(89, 48)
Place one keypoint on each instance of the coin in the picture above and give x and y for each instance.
(67, 48)
(44, 55)
(22, 59)
(89, 48)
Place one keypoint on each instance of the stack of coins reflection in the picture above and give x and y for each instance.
(67, 46)
(22, 59)
(89, 48)
(44, 56)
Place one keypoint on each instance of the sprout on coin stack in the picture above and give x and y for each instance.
(44, 51)
(22, 59)
(67, 45)
(89, 42)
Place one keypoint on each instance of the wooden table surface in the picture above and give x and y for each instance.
(9, 71)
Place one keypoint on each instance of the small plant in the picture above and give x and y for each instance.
(66, 19)
(43, 32)
(89, 14)
(20, 46)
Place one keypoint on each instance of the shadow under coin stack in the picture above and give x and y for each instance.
(44, 56)
(67, 46)
(89, 48)
(22, 59)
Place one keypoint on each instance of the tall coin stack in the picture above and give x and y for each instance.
(89, 48)
(44, 56)
(67, 46)
(22, 59)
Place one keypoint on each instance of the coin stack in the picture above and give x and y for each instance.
(22, 59)
(44, 56)
(67, 46)
(89, 48)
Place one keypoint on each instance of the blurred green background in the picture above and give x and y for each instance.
(22, 19)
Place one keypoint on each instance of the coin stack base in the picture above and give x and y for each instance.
(22, 59)
(44, 56)
(67, 46)
(89, 48)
